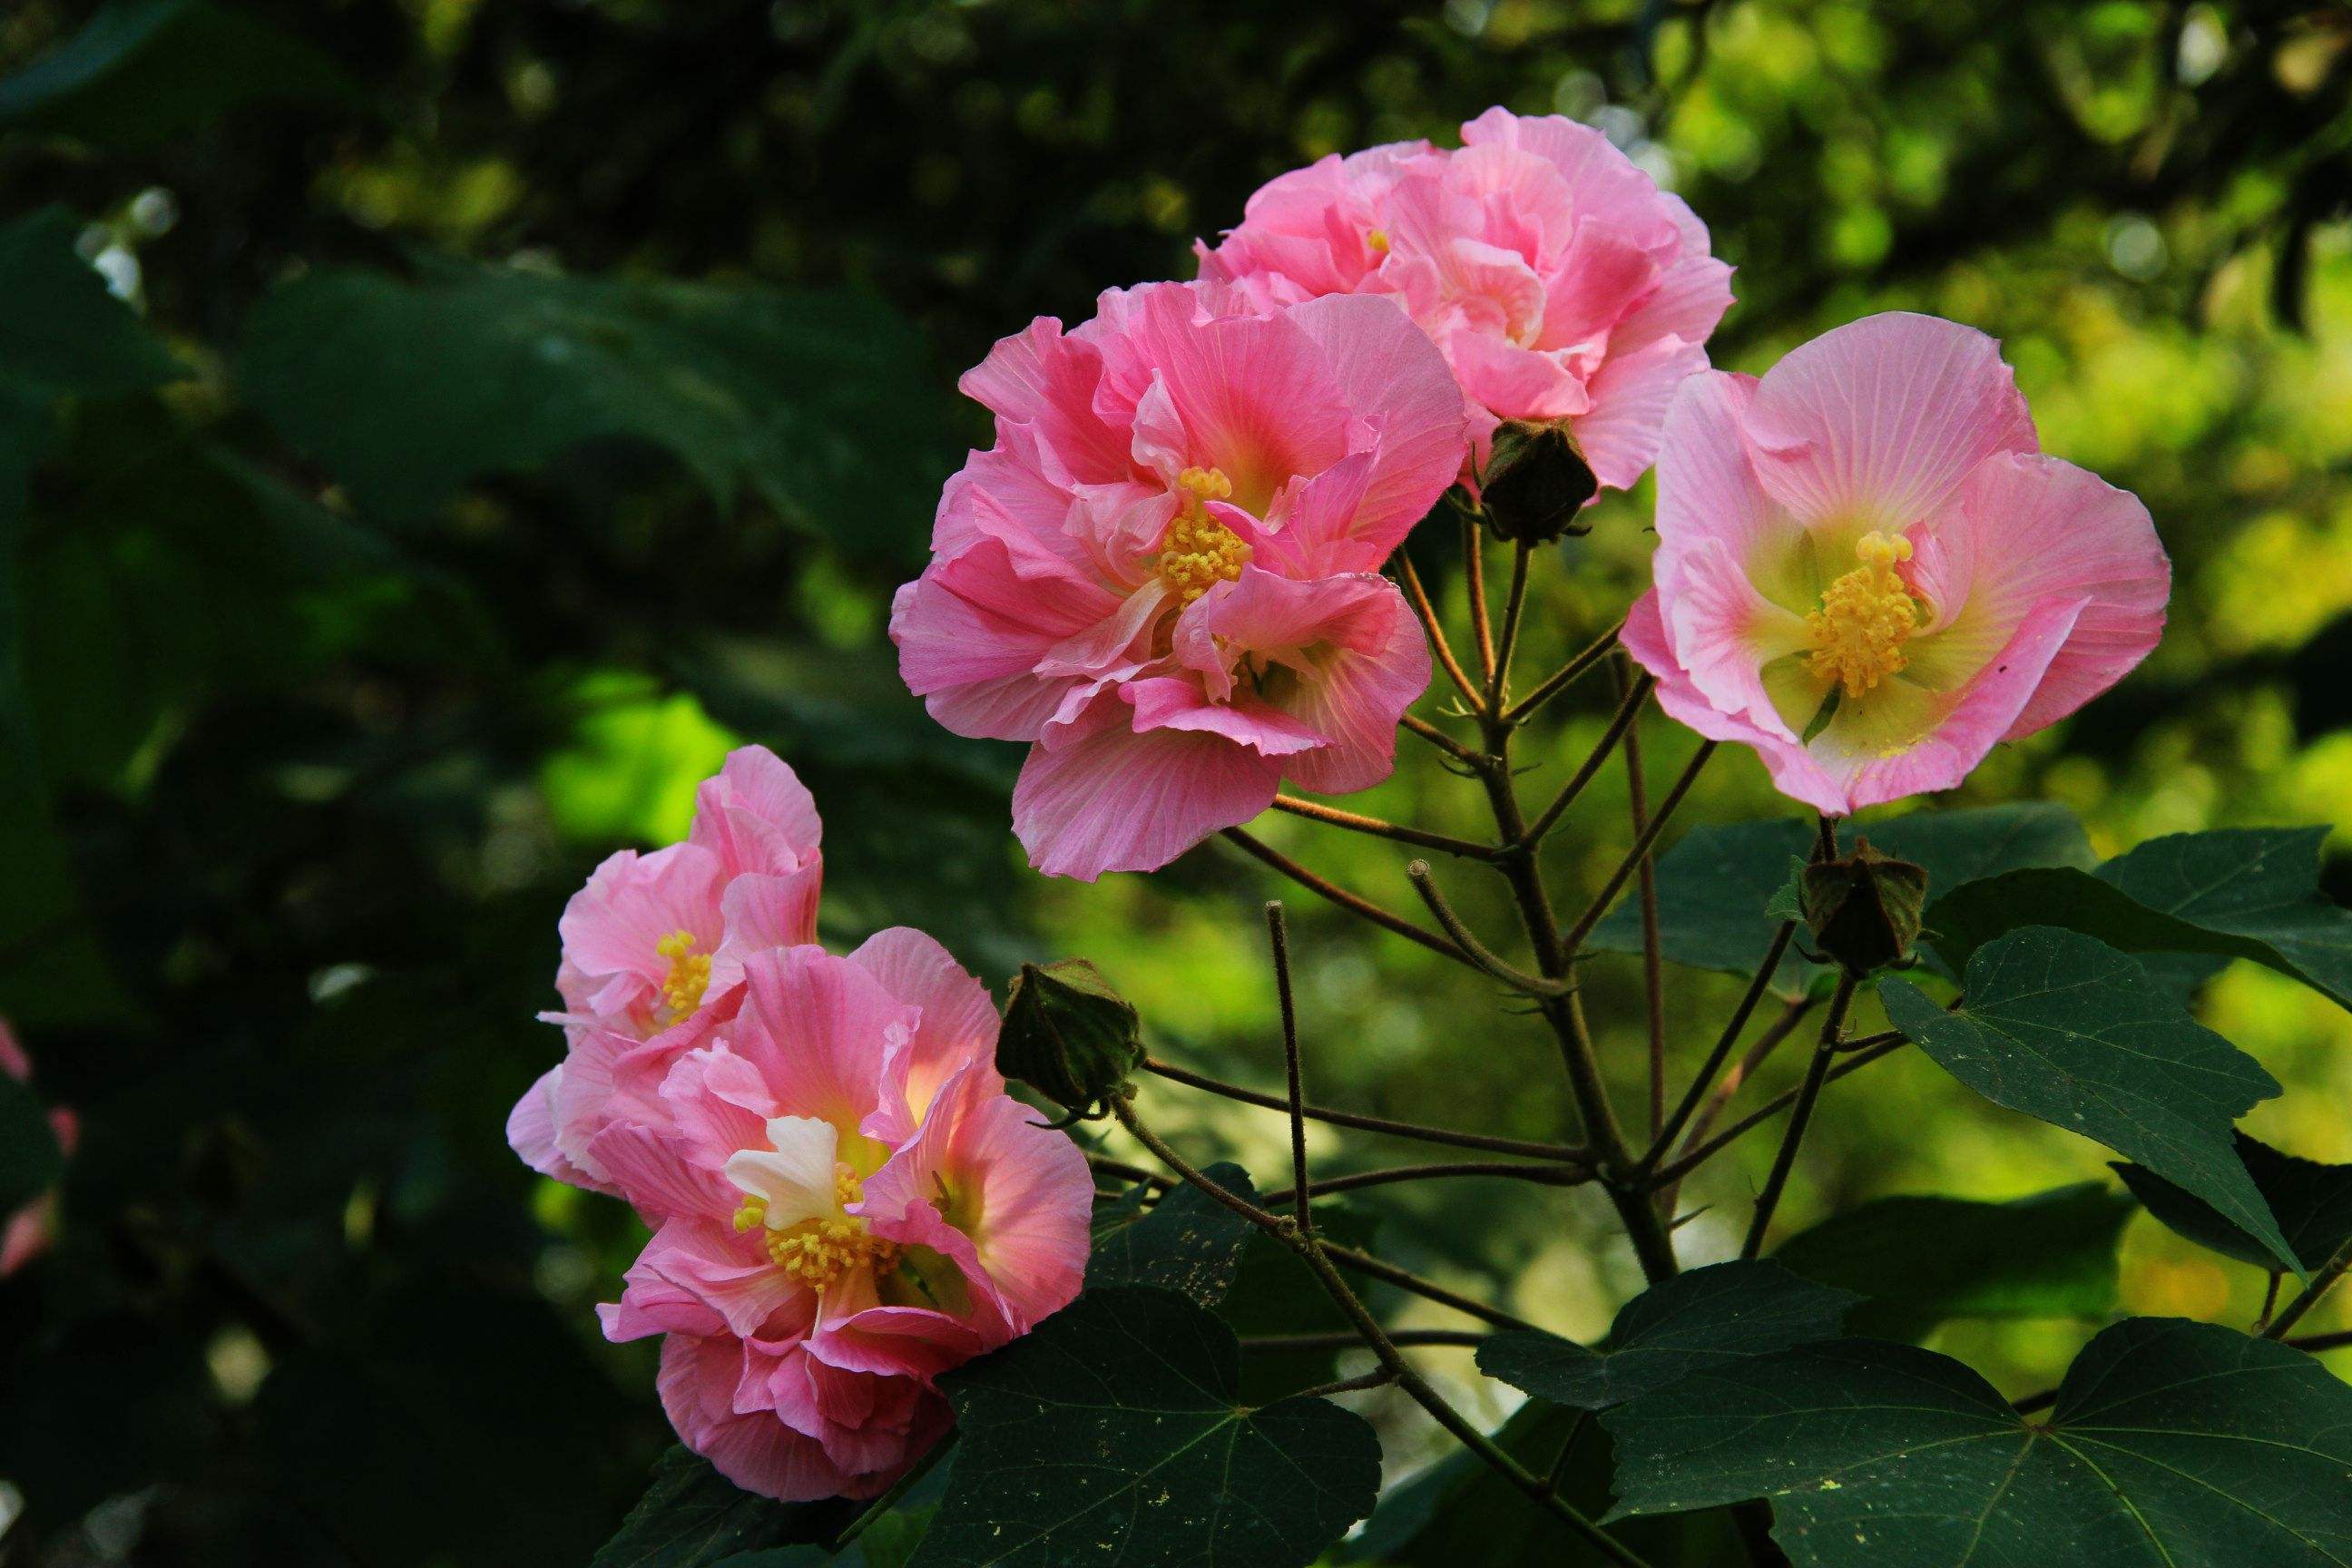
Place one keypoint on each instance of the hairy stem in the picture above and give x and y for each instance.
(1566, 675)
(1619, 724)
(1278, 935)
(1574, 940)
(1418, 597)
(1509, 974)
(1653, 980)
(1685, 1164)
(1723, 1047)
(2322, 1281)
(1543, 1175)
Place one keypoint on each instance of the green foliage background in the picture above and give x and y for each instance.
(511, 406)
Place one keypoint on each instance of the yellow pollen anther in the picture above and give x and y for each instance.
(1378, 240)
(1198, 551)
(816, 1252)
(1865, 618)
(690, 974)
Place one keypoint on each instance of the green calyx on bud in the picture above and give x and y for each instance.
(1862, 911)
(1069, 1036)
(1536, 483)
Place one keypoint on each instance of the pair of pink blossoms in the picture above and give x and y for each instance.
(845, 1202)
(1165, 574)
(27, 1233)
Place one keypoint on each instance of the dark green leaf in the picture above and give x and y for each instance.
(822, 402)
(1670, 1330)
(1714, 885)
(1112, 1435)
(1459, 1513)
(692, 1516)
(2062, 1027)
(1274, 1292)
(2173, 1445)
(1186, 1242)
(2312, 1202)
(63, 331)
(1920, 1260)
(142, 71)
(30, 1161)
(2234, 893)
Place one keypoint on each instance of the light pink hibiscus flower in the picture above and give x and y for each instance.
(847, 1204)
(653, 949)
(1868, 570)
(1563, 285)
(1165, 574)
(27, 1233)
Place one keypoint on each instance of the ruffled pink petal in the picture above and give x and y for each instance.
(971, 631)
(1514, 382)
(1106, 798)
(1724, 632)
(1877, 423)
(958, 1022)
(755, 815)
(1629, 399)
(727, 1273)
(613, 928)
(763, 911)
(1601, 183)
(1042, 379)
(530, 1132)
(759, 1453)
(652, 1171)
(1176, 702)
(826, 1038)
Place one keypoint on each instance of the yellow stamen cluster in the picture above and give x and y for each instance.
(689, 972)
(1865, 618)
(1197, 552)
(816, 1252)
(1378, 240)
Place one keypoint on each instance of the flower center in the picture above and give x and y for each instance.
(690, 974)
(816, 1252)
(1198, 551)
(1865, 618)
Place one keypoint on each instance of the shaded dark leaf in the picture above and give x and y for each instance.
(692, 1516)
(2063, 1027)
(1187, 1242)
(2311, 1202)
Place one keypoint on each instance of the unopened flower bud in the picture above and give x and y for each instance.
(1536, 483)
(1863, 911)
(1069, 1036)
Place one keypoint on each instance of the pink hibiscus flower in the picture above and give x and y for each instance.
(27, 1233)
(1165, 574)
(1563, 285)
(846, 1202)
(653, 949)
(1868, 570)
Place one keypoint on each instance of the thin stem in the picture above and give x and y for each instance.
(1279, 937)
(2322, 1280)
(1723, 1045)
(1517, 979)
(1356, 822)
(1653, 980)
(898, 1489)
(1809, 1095)
(1417, 596)
(1870, 1042)
(2270, 1304)
(1468, 756)
(1349, 1340)
(1620, 722)
(1562, 678)
(1825, 836)
(1404, 1279)
(1473, 574)
(1565, 1153)
(1685, 1164)
(1544, 1175)
(1515, 604)
(1354, 903)
(1378, 1377)
(2315, 1343)
(1727, 1087)
(1574, 940)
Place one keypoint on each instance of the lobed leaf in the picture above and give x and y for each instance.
(1112, 1433)
(2172, 1445)
(1187, 1242)
(2311, 1202)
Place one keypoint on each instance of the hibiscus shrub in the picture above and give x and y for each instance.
(1170, 576)
(919, 1274)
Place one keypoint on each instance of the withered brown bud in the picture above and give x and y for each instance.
(1863, 911)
